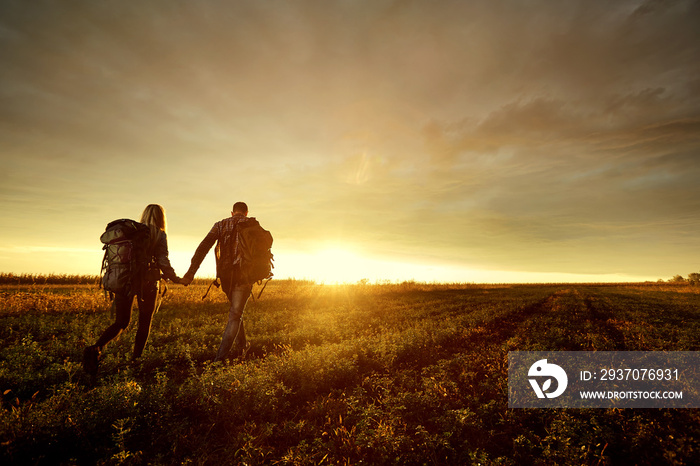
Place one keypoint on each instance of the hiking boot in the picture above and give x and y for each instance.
(91, 360)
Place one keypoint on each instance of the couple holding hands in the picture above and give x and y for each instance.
(147, 292)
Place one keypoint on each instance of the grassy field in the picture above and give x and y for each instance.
(358, 374)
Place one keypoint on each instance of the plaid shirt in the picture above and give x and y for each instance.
(222, 230)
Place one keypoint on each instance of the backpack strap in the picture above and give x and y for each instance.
(100, 285)
(215, 283)
(263, 288)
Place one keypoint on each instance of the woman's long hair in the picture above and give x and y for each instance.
(154, 216)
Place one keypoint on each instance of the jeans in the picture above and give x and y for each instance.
(148, 304)
(234, 331)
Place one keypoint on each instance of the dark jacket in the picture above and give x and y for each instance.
(159, 253)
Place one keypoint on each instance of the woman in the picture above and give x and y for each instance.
(147, 292)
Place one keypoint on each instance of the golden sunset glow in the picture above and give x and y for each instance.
(332, 264)
(459, 141)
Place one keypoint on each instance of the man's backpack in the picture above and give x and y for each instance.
(243, 257)
(126, 255)
(253, 254)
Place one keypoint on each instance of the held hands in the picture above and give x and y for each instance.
(186, 280)
(181, 281)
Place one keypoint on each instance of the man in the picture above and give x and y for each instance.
(223, 233)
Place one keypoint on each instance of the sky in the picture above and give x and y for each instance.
(466, 141)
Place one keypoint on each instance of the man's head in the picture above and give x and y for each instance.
(240, 208)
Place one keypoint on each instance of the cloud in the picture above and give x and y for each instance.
(510, 134)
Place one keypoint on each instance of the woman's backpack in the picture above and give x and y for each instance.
(126, 255)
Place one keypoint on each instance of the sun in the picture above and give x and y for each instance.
(334, 264)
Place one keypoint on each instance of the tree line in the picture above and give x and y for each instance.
(692, 279)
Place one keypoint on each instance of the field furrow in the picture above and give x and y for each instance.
(381, 374)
